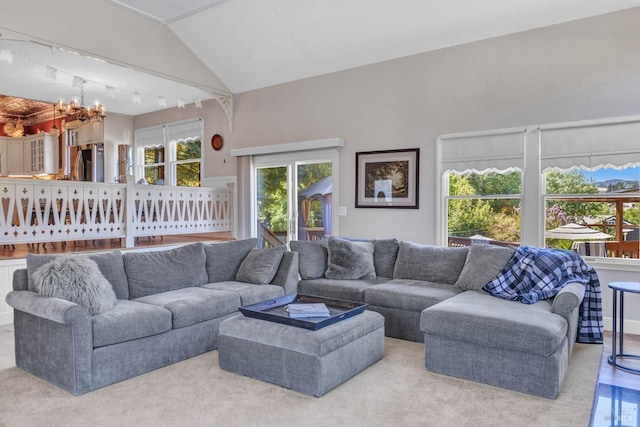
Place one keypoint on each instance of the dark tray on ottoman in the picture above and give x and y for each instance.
(273, 310)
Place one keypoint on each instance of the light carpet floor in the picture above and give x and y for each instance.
(397, 391)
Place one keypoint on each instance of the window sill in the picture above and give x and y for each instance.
(618, 264)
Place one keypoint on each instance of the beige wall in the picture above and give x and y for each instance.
(582, 70)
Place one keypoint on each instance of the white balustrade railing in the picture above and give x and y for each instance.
(38, 211)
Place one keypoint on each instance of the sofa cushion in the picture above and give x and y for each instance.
(189, 306)
(384, 256)
(429, 263)
(224, 258)
(350, 260)
(483, 264)
(312, 257)
(350, 290)
(151, 272)
(477, 317)
(129, 320)
(110, 264)
(75, 279)
(248, 292)
(408, 295)
(260, 265)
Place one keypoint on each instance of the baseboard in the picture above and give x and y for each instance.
(6, 318)
(630, 326)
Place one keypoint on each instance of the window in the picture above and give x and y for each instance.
(171, 154)
(154, 164)
(482, 187)
(591, 175)
(484, 206)
(579, 186)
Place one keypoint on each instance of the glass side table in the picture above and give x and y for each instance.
(617, 352)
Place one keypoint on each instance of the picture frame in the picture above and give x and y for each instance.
(388, 179)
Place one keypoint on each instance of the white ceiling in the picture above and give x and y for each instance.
(250, 44)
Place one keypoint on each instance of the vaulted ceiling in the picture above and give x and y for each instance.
(251, 44)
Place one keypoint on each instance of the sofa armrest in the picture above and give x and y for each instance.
(20, 280)
(55, 309)
(287, 275)
(568, 299)
(567, 304)
(54, 339)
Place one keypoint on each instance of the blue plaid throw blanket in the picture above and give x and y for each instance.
(536, 273)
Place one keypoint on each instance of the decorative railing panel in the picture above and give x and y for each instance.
(35, 211)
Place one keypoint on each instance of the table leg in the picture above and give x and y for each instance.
(614, 332)
(621, 345)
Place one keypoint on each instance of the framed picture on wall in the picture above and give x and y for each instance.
(387, 179)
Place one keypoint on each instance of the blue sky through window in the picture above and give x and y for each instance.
(600, 175)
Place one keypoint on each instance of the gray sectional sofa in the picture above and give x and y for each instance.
(167, 307)
(433, 294)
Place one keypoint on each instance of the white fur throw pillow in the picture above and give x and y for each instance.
(76, 279)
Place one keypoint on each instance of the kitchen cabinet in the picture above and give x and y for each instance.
(41, 155)
(30, 155)
(15, 156)
(87, 133)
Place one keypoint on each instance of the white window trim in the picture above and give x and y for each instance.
(146, 137)
(279, 158)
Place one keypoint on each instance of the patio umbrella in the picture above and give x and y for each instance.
(576, 232)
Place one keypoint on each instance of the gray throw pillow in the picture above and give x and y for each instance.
(429, 263)
(152, 272)
(350, 260)
(260, 265)
(76, 279)
(483, 264)
(384, 256)
(110, 264)
(224, 258)
(312, 257)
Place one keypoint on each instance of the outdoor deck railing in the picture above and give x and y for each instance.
(624, 249)
(455, 241)
(38, 211)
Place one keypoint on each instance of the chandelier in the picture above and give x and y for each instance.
(80, 110)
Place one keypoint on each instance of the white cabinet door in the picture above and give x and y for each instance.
(97, 131)
(15, 157)
(91, 133)
(84, 134)
(35, 155)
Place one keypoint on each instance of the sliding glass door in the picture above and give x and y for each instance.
(293, 197)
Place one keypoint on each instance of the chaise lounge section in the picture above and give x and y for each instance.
(434, 294)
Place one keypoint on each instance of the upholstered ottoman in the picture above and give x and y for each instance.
(311, 362)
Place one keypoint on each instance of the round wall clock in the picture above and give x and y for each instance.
(216, 142)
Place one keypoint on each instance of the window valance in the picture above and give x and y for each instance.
(591, 146)
(499, 151)
(150, 137)
(192, 129)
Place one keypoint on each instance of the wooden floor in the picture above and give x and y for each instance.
(21, 250)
